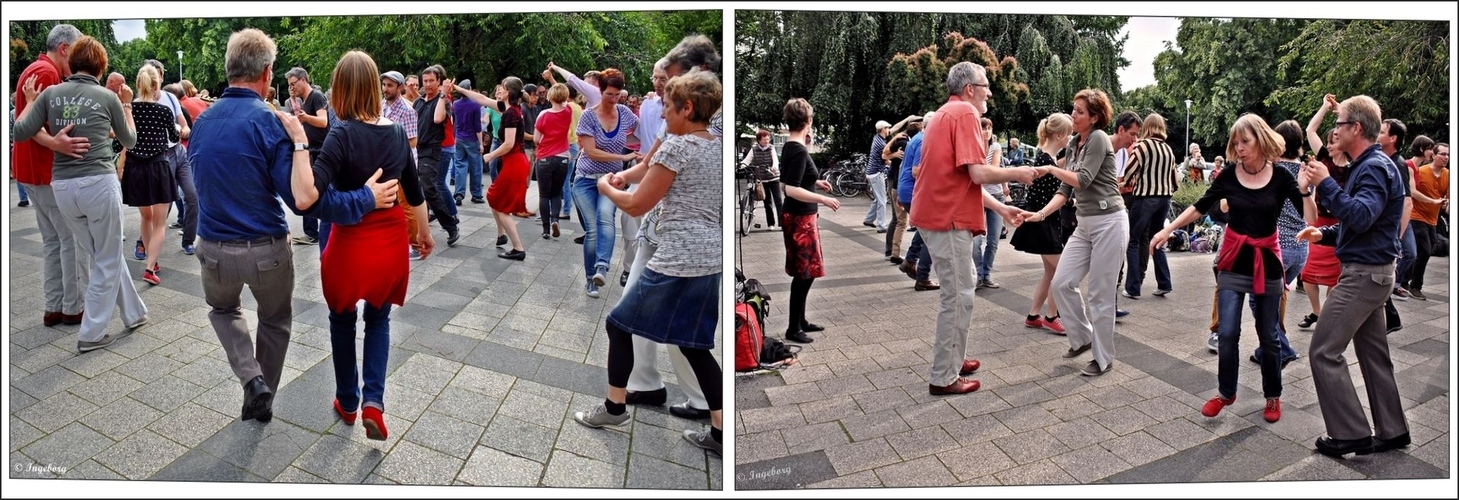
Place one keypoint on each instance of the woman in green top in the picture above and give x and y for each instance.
(88, 189)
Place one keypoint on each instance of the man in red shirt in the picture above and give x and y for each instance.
(65, 279)
(948, 203)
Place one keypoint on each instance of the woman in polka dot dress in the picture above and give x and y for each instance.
(147, 181)
(1044, 237)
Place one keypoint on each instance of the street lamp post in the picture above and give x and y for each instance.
(1187, 127)
(179, 66)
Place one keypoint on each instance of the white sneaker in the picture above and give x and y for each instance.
(1214, 344)
(415, 254)
(703, 439)
(599, 417)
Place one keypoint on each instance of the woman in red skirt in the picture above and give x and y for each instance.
(801, 178)
(367, 260)
(508, 192)
(1323, 268)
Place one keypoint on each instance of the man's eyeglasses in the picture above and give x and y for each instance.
(984, 85)
(1340, 123)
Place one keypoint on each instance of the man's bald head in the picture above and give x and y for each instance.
(115, 81)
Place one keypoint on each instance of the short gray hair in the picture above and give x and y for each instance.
(963, 74)
(694, 51)
(62, 33)
(299, 73)
(1364, 111)
(661, 64)
(250, 53)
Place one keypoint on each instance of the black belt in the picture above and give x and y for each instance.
(256, 241)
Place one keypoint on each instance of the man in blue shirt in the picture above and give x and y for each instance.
(1369, 210)
(1015, 153)
(917, 265)
(243, 159)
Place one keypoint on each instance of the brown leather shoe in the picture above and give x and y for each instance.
(52, 318)
(959, 386)
(969, 366)
(909, 268)
(72, 319)
(923, 286)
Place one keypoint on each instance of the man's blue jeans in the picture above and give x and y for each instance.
(468, 165)
(599, 217)
(448, 160)
(1405, 261)
(376, 356)
(1147, 217)
(917, 252)
(496, 164)
(1227, 364)
(989, 242)
(572, 169)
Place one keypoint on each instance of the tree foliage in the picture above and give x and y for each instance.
(482, 47)
(858, 67)
(28, 40)
(1279, 69)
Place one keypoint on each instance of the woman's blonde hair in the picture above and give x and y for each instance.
(148, 82)
(558, 93)
(355, 87)
(1267, 141)
(1154, 126)
(1055, 127)
(698, 87)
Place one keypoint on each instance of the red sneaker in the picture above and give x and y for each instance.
(1054, 325)
(1033, 323)
(374, 422)
(151, 277)
(1273, 411)
(347, 417)
(1214, 406)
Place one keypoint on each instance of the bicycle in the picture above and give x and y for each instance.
(848, 177)
(745, 179)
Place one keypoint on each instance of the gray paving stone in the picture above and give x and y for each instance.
(20, 400)
(489, 467)
(1090, 463)
(646, 472)
(925, 471)
(663, 443)
(1138, 448)
(264, 450)
(121, 418)
(21, 434)
(979, 460)
(404, 401)
(445, 434)
(105, 388)
(56, 411)
(864, 479)
(831, 409)
(67, 447)
(48, 382)
(1180, 433)
(91, 470)
(1029, 447)
(765, 419)
(1080, 433)
(140, 455)
(794, 394)
(149, 367)
(420, 377)
(298, 476)
(529, 407)
(874, 425)
(520, 438)
(977, 430)
(812, 437)
(759, 447)
(409, 463)
(190, 424)
(1043, 472)
(197, 465)
(1023, 419)
(1024, 394)
(42, 357)
(860, 456)
(94, 363)
(977, 403)
(882, 400)
(167, 393)
(1123, 420)
(566, 470)
(1113, 396)
(603, 445)
(1164, 409)
(339, 460)
(919, 443)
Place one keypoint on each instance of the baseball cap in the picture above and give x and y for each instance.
(881, 124)
(394, 75)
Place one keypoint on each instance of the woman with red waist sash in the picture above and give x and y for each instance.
(369, 260)
(1250, 259)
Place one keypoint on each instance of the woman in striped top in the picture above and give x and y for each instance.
(604, 129)
(1151, 176)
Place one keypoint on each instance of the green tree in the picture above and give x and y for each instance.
(28, 40)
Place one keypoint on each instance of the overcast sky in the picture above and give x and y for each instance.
(129, 29)
(1147, 37)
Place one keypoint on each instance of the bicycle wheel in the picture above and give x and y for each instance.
(833, 178)
(850, 188)
(747, 212)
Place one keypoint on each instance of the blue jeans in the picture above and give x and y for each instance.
(984, 259)
(1293, 260)
(468, 165)
(1410, 253)
(1147, 217)
(448, 160)
(1229, 303)
(917, 252)
(572, 175)
(496, 164)
(599, 217)
(376, 356)
(23, 197)
(878, 213)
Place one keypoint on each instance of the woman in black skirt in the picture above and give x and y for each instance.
(147, 181)
(1045, 238)
(800, 176)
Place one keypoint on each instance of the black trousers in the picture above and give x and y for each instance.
(428, 159)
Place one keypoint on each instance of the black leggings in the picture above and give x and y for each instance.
(772, 203)
(706, 369)
(800, 288)
(551, 175)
